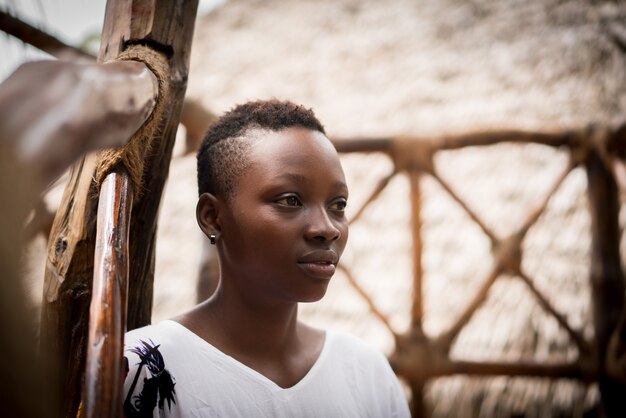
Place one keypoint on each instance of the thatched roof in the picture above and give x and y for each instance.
(413, 67)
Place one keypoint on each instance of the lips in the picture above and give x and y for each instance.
(319, 264)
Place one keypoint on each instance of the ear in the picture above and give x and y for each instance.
(208, 214)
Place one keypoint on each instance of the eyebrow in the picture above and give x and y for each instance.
(341, 185)
(299, 178)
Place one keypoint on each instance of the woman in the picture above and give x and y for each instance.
(272, 200)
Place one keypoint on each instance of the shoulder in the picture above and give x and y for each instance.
(164, 331)
(368, 372)
(150, 380)
(153, 348)
(368, 362)
(347, 344)
(169, 337)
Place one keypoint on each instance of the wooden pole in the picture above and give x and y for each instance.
(166, 27)
(107, 322)
(607, 279)
(417, 311)
(39, 39)
(418, 404)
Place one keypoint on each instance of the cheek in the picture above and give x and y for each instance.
(261, 229)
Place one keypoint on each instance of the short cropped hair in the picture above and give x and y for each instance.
(223, 154)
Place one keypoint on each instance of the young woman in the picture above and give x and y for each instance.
(272, 200)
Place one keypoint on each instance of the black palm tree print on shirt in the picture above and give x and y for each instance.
(159, 387)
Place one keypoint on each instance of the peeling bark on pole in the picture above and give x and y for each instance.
(167, 27)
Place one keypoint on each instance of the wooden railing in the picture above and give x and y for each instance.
(419, 357)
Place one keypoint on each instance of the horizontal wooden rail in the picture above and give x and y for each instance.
(528, 369)
(449, 142)
(556, 138)
(444, 367)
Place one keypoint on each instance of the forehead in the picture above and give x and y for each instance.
(294, 150)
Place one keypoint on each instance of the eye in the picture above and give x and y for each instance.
(291, 200)
(339, 205)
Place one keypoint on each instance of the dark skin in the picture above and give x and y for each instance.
(279, 238)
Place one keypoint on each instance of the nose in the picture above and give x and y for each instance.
(321, 227)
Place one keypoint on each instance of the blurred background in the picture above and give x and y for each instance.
(420, 69)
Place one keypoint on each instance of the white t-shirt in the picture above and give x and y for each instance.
(174, 373)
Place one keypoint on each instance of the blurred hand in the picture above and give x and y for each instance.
(55, 111)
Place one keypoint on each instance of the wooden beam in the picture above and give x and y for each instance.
(449, 142)
(419, 359)
(166, 27)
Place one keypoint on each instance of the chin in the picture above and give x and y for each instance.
(313, 297)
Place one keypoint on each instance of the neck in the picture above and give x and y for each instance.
(249, 325)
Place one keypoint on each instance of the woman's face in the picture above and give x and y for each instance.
(285, 227)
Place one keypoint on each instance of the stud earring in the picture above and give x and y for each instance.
(212, 238)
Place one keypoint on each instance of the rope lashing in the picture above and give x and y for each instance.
(132, 155)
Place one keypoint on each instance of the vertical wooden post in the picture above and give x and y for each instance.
(165, 26)
(107, 316)
(417, 311)
(607, 279)
(416, 229)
